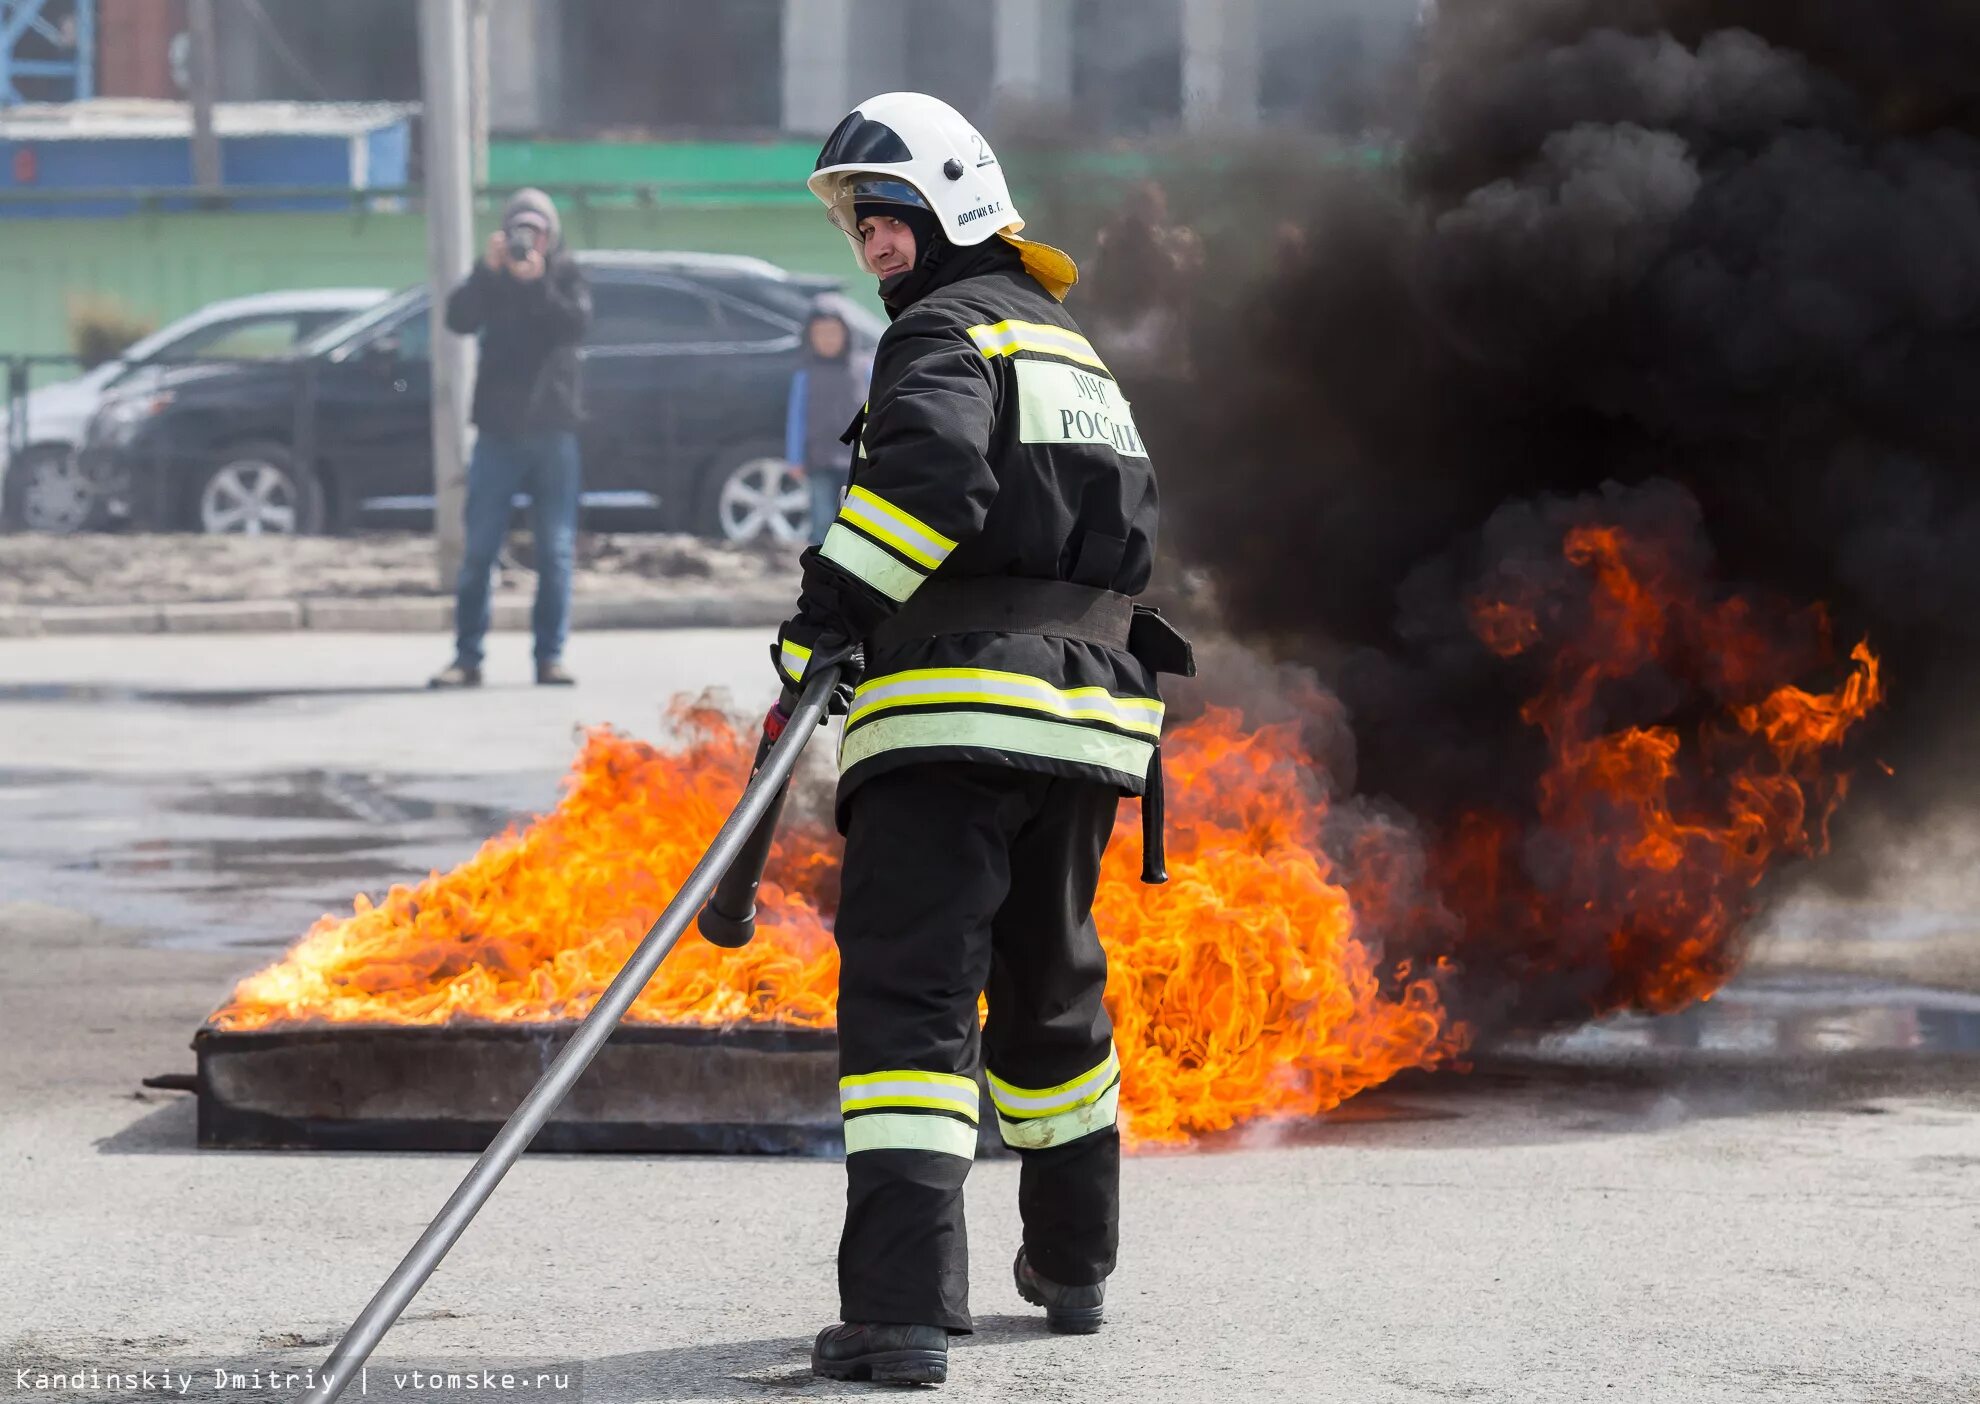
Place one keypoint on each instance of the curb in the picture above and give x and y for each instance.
(102, 619)
(16, 623)
(395, 614)
(390, 615)
(233, 617)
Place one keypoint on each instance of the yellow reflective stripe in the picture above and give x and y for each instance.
(905, 522)
(1013, 1101)
(1046, 1131)
(925, 1103)
(932, 1079)
(794, 658)
(893, 578)
(897, 529)
(910, 1131)
(934, 1091)
(922, 687)
(1005, 338)
(1127, 756)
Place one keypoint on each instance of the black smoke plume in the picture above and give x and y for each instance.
(1715, 261)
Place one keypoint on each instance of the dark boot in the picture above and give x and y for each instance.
(884, 1354)
(553, 675)
(456, 675)
(1070, 1311)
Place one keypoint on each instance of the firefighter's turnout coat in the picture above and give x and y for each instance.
(995, 444)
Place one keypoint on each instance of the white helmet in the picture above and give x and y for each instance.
(913, 149)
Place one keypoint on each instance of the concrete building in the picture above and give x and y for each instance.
(753, 69)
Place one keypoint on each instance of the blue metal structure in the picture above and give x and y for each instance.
(31, 27)
(305, 160)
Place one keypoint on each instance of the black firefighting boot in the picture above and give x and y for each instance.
(1070, 1311)
(885, 1354)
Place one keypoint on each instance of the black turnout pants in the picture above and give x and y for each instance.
(961, 879)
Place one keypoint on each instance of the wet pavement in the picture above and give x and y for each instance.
(1783, 1017)
(245, 861)
(228, 792)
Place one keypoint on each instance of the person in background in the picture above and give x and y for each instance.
(528, 302)
(826, 392)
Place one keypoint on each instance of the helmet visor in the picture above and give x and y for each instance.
(855, 189)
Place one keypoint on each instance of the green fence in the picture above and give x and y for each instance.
(166, 264)
(746, 198)
(771, 172)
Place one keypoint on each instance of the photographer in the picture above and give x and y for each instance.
(528, 302)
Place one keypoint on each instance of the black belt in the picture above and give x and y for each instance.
(1006, 605)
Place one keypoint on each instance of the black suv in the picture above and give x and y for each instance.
(687, 376)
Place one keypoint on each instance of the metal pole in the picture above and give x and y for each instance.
(17, 397)
(443, 62)
(478, 91)
(85, 50)
(410, 1275)
(205, 81)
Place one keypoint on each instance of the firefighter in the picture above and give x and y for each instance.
(1001, 513)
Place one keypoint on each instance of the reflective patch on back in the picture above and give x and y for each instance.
(1061, 404)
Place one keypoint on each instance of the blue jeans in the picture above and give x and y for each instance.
(546, 467)
(828, 489)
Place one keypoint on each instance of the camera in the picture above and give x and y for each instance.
(522, 240)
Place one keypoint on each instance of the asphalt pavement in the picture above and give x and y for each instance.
(1730, 1223)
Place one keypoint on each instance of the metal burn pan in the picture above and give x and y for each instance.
(759, 1089)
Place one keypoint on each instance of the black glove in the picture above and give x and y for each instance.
(802, 646)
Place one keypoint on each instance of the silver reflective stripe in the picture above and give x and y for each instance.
(1066, 1126)
(904, 531)
(929, 686)
(1029, 736)
(930, 1090)
(894, 579)
(1004, 338)
(910, 543)
(1026, 1101)
(906, 1131)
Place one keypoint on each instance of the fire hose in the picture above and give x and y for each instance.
(742, 844)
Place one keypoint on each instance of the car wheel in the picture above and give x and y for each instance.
(754, 498)
(47, 490)
(258, 490)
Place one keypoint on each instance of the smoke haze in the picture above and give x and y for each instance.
(1706, 268)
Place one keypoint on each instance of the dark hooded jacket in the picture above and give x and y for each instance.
(527, 381)
(834, 387)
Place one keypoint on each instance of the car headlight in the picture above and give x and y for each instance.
(118, 421)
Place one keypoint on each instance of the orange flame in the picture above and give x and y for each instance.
(1651, 847)
(1239, 990)
(1254, 983)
